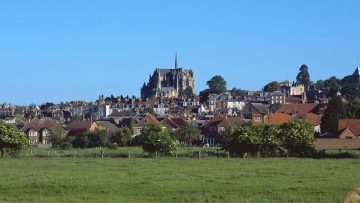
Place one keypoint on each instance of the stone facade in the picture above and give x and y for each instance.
(174, 82)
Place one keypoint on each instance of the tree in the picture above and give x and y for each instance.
(303, 76)
(155, 139)
(188, 134)
(353, 109)
(319, 85)
(333, 84)
(244, 140)
(351, 92)
(272, 86)
(336, 110)
(57, 136)
(238, 93)
(81, 141)
(122, 137)
(217, 85)
(11, 139)
(271, 139)
(298, 137)
(98, 138)
(204, 95)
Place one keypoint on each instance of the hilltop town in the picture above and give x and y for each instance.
(169, 99)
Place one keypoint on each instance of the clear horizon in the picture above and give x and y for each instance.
(63, 51)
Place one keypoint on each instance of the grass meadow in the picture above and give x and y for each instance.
(169, 179)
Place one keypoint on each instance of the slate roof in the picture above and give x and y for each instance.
(111, 126)
(223, 121)
(39, 124)
(175, 122)
(259, 107)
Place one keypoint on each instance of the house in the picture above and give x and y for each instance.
(281, 118)
(214, 127)
(175, 123)
(37, 130)
(109, 124)
(349, 128)
(80, 127)
(299, 108)
(271, 119)
(277, 97)
(251, 109)
(7, 111)
(148, 119)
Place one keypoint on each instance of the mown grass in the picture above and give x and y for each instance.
(176, 180)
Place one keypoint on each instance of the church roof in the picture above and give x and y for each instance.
(357, 72)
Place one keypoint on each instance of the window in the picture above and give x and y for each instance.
(257, 119)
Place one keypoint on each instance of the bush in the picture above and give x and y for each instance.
(155, 139)
(113, 146)
(66, 145)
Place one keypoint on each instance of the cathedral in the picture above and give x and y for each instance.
(174, 82)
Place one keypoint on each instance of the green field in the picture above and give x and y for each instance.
(176, 180)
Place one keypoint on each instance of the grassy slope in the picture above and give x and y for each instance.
(176, 180)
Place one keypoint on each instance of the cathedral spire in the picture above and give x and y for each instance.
(176, 62)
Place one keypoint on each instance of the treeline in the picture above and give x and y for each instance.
(294, 138)
(100, 137)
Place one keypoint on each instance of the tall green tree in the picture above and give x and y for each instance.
(303, 76)
(11, 139)
(353, 109)
(99, 138)
(271, 139)
(188, 134)
(217, 85)
(333, 84)
(235, 92)
(336, 110)
(298, 137)
(155, 139)
(204, 95)
(272, 86)
(319, 85)
(122, 137)
(57, 136)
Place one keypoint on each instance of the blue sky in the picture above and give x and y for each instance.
(76, 50)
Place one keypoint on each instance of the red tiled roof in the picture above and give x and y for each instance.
(310, 117)
(277, 118)
(79, 125)
(297, 108)
(352, 124)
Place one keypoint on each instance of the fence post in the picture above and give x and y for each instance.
(102, 154)
(199, 154)
(129, 154)
(74, 154)
(156, 154)
(228, 155)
